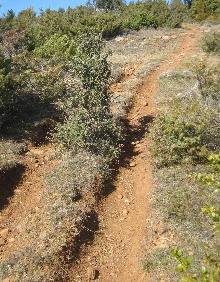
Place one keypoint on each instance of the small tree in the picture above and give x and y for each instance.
(89, 124)
(109, 5)
(10, 15)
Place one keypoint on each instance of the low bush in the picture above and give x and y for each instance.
(177, 14)
(211, 43)
(185, 133)
(9, 98)
(37, 29)
(210, 263)
(57, 46)
(39, 49)
(140, 19)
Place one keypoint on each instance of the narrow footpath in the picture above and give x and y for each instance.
(116, 252)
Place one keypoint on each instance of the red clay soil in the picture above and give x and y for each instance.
(27, 195)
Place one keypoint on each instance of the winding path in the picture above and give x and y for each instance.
(114, 255)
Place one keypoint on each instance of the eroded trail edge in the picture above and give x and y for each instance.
(116, 251)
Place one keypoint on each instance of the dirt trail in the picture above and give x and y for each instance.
(115, 253)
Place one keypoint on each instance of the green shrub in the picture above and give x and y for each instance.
(140, 19)
(108, 5)
(58, 46)
(211, 43)
(209, 265)
(46, 86)
(185, 133)
(9, 94)
(89, 123)
(35, 31)
(109, 24)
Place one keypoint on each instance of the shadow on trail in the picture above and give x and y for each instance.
(144, 125)
(133, 134)
(88, 227)
(9, 180)
(90, 224)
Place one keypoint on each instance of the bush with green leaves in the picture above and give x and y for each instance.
(9, 91)
(213, 180)
(210, 265)
(186, 133)
(29, 93)
(140, 19)
(57, 46)
(89, 123)
(154, 14)
(37, 29)
(177, 13)
(108, 5)
(209, 272)
(211, 43)
(46, 86)
(92, 140)
(41, 48)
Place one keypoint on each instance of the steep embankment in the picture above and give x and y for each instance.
(118, 246)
